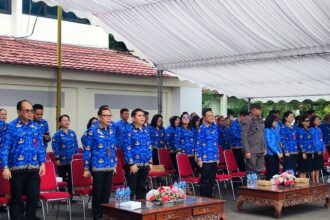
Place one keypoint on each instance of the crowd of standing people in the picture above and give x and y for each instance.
(257, 143)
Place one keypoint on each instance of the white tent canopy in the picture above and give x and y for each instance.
(256, 49)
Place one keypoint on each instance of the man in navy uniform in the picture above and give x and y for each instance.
(207, 152)
(121, 128)
(38, 112)
(23, 158)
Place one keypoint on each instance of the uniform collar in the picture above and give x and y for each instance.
(19, 121)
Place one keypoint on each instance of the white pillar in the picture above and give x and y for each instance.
(16, 17)
(186, 99)
(223, 105)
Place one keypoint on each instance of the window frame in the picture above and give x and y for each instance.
(3, 11)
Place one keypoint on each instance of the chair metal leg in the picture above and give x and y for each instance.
(322, 176)
(43, 210)
(83, 202)
(232, 189)
(58, 208)
(218, 185)
(47, 208)
(8, 212)
(193, 188)
(69, 208)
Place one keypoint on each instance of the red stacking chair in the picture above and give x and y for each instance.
(51, 157)
(120, 156)
(81, 186)
(232, 167)
(118, 179)
(78, 156)
(48, 187)
(186, 172)
(165, 159)
(326, 158)
(222, 162)
(224, 178)
(4, 193)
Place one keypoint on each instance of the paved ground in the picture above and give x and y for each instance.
(314, 211)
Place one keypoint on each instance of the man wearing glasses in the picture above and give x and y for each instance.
(100, 158)
(23, 158)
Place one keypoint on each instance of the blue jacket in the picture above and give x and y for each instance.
(157, 136)
(99, 148)
(272, 141)
(22, 148)
(225, 139)
(317, 136)
(138, 149)
(236, 129)
(185, 141)
(3, 128)
(43, 124)
(207, 143)
(170, 133)
(289, 139)
(121, 128)
(64, 145)
(305, 140)
(325, 128)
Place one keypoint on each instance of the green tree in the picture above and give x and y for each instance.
(117, 45)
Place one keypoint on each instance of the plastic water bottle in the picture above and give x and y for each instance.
(180, 185)
(117, 195)
(184, 185)
(122, 195)
(175, 185)
(248, 179)
(127, 194)
(254, 179)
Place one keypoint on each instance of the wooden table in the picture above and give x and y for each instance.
(193, 208)
(280, 197)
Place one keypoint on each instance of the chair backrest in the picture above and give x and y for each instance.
(165, 159)
(4, 185)
(119, 177)
(221, 156)
(80, 150)
(230, 161)
(77, 174)
(120, 156)
(48, 181)
(51, 156)
(325, 155)
(184, 166)
(77, 156)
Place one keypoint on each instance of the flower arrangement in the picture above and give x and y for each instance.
(284, 179)
(165, 194)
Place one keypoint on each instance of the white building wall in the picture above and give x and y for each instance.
(187, 99)
(79, 90)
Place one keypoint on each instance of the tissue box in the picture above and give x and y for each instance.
(302, 180)
(264, 183)
(130, 205)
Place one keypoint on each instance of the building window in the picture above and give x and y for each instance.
(43, 10)
(5, 6)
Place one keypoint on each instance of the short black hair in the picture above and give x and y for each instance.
(155, 119)
(146, 113)
(123, 110)
(244, 113)
(310, 112)
(285, 115)
(102, 108)
(62, 116)
(135, 111)
(255, 105)
(206, 110)
(20, 104)
(312, 120)
(194, 120)
(274, 112)
(302, 119)
(90, 122)
(173, 119)
(37, 106)
(269, 121)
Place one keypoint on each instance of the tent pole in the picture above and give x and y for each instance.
(59, 65)
(160, 91)
(249, 104)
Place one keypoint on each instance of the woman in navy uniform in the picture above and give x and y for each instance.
(274, 151)
(319, 147)
(325, 128)
(170, 137)
(138, 155)
(305, 145)
(185, 140)
(100, 159)
(64, 144)
(157, 135)
(289, 142)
